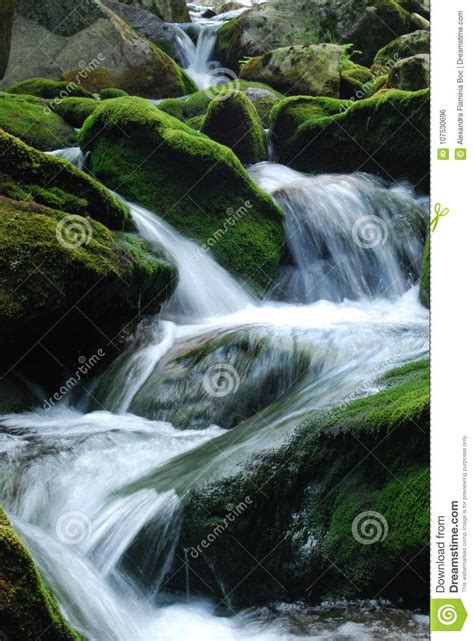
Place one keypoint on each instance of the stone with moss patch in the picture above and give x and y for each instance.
(234, 122)
(310, 70)
(111, 92)
(45, 88)
(410, 74)
(366, 24)
(357, 81)
(30, 175)
(312, 490)
(188, 179)
(27, 608)
(33, 121)
(88, 286)
(387, 134)
(129, 61)
(74, 110)
(263, 97)
(403, 47)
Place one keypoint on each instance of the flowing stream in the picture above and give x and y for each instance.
(217, 376)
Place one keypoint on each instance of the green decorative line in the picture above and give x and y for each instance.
(447, 615)
(439, 213)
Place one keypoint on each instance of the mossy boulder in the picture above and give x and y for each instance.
(410, 74)
(32, 121)
(70, 274)
(111, 92)
(425, 276)
(357, 81)
(7, 10)
(45, 88)
(30, 175)
(189, 180)
(28, 610)
(74, 110)
(309, 70)
(387, 134)
(403, 47)
(366, 24)
(263, 97)
(73, 50)
(233, 121)
(309, 497)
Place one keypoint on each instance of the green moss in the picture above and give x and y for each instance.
(161, 77)
(111, 92)
(368, 454)
(356, 80)
(188, 179)
(33, 121)
(425, 276)
(28, 174)
(74, 110)
(47, 271)
(44, 88)
(387, 134)
(27, 608)
(234, 122)
(197, 103)
(403, 47)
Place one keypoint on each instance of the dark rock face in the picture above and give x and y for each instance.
(7, 8)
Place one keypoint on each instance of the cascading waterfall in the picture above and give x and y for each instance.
(350, 236)
(98, 495)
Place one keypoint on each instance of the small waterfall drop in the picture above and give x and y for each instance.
(198, 59)
(350, 236)
(204, 289)
(74, 155)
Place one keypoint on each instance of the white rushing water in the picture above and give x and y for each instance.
(197, 43)
(83, 487)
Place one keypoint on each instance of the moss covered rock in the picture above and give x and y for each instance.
(234, 122)
(410, 74)
(7, 9)
(33, 121)
(369, 455)
(127, 60)
(425, 276)
(357, 81)
(30, 175)
(387, 134)
(70, 274)
(111, 92)
(188, 179)
(403, 47)
(367, 24)
(309, 70)
(74, 110)
(45, 88)
(263, 97)
(27, 608)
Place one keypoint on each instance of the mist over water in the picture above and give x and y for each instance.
(84, 487)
